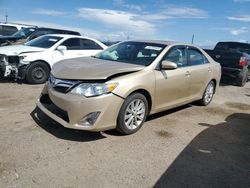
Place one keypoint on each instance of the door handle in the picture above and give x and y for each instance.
(209, 69)
(217, 56)
(187, 73)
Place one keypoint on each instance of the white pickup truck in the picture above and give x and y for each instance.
(33, 60)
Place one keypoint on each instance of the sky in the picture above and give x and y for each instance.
(175, 20)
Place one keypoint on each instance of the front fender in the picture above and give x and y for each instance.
(142, 80)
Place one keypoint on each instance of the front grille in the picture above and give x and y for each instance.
(9, 59)
(2, 70)
(62, 86)
(13, 59)
(3, 59)
(49, 105)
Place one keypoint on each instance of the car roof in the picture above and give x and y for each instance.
(48, 28)
(163, 42)
(69, 36)
(16, 25)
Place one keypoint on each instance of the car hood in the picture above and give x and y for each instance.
(18, 49)
(89, 68)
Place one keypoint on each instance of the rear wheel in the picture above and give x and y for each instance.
(132, 114)
(208, 94)
(37, 73)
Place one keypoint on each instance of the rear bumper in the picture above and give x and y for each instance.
(234, 72)
(231, 72)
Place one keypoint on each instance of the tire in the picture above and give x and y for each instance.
(37, 73)
(242, 80)
(208, 94)
(128, 121)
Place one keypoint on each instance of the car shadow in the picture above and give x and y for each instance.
(12, 80)
(218, 157)
(150, 118)
(229, 82)
(167, 112)
(61, 132)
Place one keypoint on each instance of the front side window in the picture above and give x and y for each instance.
(178, 56)
(44, 41)
(196, 57)
(72, 44)
(139, 53)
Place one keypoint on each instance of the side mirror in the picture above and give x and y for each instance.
(61, 48)
(168, 65)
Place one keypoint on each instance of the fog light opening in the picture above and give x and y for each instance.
(89, 119)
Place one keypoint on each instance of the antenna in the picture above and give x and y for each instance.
(192, 39)
(6, 17)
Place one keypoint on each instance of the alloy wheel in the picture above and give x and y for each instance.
(134, 114)
(209, 92)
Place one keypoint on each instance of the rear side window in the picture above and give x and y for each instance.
(7, 30)
(90, 45)
(177, 55)
(196, 57)
(72, 44)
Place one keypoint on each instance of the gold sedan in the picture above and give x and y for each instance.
(122, 85)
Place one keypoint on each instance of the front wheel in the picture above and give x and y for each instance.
(208, 94)
(37, 73)
(132, 114)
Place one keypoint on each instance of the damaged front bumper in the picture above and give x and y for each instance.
(10, 67)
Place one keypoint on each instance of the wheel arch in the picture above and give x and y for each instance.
(38, 60)
(215, 82)
(27, 71)
(147, 95)
(42, 61)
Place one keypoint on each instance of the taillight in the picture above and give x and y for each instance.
(243, 61)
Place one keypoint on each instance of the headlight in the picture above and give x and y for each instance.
(22, 60)
(94, 89)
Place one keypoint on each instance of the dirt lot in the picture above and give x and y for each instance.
(191, 146)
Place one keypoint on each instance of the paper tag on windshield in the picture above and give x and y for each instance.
(153, 48)
(53, 40)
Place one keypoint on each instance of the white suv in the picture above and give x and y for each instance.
(7, 29)
(33, 60)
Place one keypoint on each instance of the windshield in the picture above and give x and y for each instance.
(139, 53)
(24, 33)
(43, 41)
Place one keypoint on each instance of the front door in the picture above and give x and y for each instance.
(76, 47)
(172, 86)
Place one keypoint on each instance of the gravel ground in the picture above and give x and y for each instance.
(190, 146)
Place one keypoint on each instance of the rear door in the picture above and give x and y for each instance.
(172, 86)
(200, 71)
